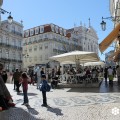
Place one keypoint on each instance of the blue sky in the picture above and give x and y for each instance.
(63, 13)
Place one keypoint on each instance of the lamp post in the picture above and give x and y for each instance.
(2, 11)
(103, 23)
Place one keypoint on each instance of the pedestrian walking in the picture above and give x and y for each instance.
(38, 77)
(16, 77)
(110, 75)
(24, 81)
(42, 71)
(4, 76)
(106, 74)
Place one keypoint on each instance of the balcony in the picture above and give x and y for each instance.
(16, 33)
(58, 50)
(5, 59)
(10, 46)
(20, 61)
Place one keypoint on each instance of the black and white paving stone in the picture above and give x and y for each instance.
(64, 104)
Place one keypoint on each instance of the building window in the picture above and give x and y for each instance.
(26, 33)
(46, 46)
(20, 56)
(14, 56)
(52, 27)
(37, 30)
(7, 40)
(91, 48)
(1, 39)
(14, 67)
(40, 47)
(13, 29)
(64, 32)
(40, 57)
(19, 30)
(46, 57)
(30, 59)
(61, 32)
(7, 54)
(30, 40)
(31, 32)
(45, 35)
(20, 43)
(7, 66)
(41, 29)
(0, 53)
(25, 59)
(30, 49)
(35, 58)
(56, 29)
(14, 42)
(35, 48)
(19, 67)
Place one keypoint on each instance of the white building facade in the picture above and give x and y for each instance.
(44, 41)
(108, 61)
(11, 37)
(115, 13)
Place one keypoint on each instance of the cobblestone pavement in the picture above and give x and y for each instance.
(67, 104)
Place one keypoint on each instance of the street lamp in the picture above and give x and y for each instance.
(2, 11)
(10, 18)
(103, 23)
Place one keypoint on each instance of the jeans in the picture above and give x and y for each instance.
(44, 98)
(17, 85)
(38, 82)
(25, 96)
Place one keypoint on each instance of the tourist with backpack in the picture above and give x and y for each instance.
(45, 87)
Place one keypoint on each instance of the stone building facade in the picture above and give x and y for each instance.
(115, 13)
(44, 41)
(11, 36)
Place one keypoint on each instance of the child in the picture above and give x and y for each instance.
(43, 89)
(24, 80)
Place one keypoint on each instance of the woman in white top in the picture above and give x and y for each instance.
(110, 75)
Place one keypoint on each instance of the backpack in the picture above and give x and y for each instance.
(45, 88)
(48, 88)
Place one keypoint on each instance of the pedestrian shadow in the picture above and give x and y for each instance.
(32, 110)
(17, 114)
(57, 111)
(29, 94)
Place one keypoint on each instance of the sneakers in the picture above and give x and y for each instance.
(26, 104)
(44, 105)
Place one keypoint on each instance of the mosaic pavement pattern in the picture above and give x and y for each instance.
(64, 105)
(80, 100)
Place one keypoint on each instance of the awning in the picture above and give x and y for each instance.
(109, 39)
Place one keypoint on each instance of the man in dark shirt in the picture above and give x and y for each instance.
(16, 77)
(42, 72)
